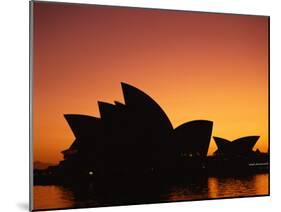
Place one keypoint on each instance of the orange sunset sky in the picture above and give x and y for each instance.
(194, 65)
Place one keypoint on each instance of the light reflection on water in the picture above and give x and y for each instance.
(47, 197)
(222, 187)
(52, 197)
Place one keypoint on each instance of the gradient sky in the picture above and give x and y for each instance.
(195, 65)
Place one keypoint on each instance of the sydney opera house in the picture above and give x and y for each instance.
(137, 139)
(239, 147)
(237, 157)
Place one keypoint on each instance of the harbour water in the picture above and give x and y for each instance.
(53, 196)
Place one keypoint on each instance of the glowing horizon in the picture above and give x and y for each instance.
(194, 65)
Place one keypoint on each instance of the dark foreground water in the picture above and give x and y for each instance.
(51, 196)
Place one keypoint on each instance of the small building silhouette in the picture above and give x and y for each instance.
(239, 147)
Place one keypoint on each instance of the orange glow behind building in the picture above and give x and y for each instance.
(195, 65)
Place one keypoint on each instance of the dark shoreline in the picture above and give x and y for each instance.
(211, 167)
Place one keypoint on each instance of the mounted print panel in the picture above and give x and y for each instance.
(135, 106)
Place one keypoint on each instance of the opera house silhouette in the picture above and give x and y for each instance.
(237, 157)
(239, 147)
(136, 139)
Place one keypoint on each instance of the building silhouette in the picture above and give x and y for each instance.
(239, 147)
(136, 137)
(134, 141)
(237, 157)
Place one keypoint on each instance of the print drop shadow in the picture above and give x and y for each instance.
(23, 206)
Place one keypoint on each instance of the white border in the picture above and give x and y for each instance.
(14, 87)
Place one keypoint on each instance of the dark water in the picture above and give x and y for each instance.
(47, 197)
